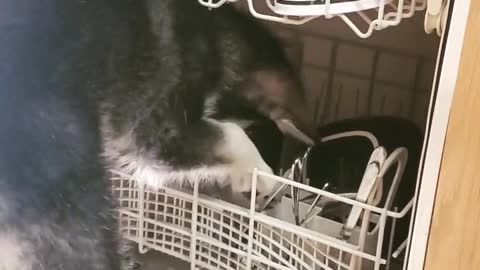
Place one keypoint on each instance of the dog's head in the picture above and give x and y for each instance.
(278, 95)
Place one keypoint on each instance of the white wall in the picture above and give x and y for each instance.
(399, 85)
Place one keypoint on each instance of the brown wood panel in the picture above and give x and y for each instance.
(454, 242)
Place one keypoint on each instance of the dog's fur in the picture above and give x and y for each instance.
(218, 66)
(152, 86)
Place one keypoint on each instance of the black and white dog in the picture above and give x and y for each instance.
(149, 87)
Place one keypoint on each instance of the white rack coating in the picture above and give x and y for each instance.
(373, 14)
(212, 234)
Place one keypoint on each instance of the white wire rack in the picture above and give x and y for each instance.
(212, 234)
(362, 16)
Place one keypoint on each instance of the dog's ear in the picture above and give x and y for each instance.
(280, 97)
(272, 92)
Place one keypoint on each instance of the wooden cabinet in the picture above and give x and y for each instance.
(454, 242)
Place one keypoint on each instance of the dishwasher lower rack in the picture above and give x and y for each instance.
(212, 234)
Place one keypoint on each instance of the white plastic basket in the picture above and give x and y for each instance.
(213, 234)
(362, 16)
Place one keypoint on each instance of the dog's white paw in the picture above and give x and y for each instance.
(244, 157)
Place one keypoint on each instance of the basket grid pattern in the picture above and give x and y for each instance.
(164, 223)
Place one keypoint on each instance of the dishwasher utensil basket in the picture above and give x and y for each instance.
(213, 234)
